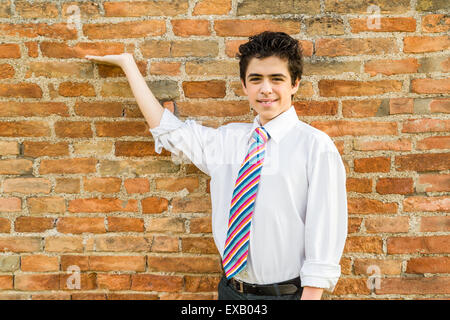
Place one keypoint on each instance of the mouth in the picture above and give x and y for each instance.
(266, 103)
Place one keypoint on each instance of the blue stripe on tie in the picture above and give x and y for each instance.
(235, 240)
(243, 198)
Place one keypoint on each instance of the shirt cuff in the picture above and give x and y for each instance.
(320, 275)
(168, 123)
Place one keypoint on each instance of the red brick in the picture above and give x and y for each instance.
(127, 29)
(11, 204)
(117, 263)
(123, 224)
(20, 244)
(430, 85)
(9, 50)
(114, 281)
(436, 223)
(433, 183)
(187, 28)
(75, 165)
(137, 185)
(102, 184)
(16, 166)
(42, 148)
(204, 89)
(36, 282)
(394, 24)
(436, 142)
(73, 129)
(415, 204)
(183, 264)
(145, 8)
(402, 144)
(423, 162)
(208, 7)
(419, 44)
(423, 245)
(428, 265)
(370, 206)
(395, 185)
(364, 244)
(355, 47)
(24, 129)
(77, 225)
(435, 23)
(27, 185)
(102, 205)
(39, 263)
(150, 282)
(154, 205)
(33, 224)
(246, 28)
(335, 128)
(362, 185)
(33, 109)
(341, 88)
(46, 205)
(412, 286)
(374, 164)
(401, 105)
(387, 224)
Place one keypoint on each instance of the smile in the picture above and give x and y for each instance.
(266, 103)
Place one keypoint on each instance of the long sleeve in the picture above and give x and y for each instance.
(201, 145)
(326, 220)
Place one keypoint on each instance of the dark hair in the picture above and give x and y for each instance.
(268, 44)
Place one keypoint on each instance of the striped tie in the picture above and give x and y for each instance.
(242, 204)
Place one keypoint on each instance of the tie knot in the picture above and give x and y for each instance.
(261, 135)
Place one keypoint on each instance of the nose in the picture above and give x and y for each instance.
(266, 88)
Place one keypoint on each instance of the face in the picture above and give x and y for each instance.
(268, 87)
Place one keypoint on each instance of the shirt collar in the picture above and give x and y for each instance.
(278, 126)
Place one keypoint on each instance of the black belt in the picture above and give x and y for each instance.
(276, 289)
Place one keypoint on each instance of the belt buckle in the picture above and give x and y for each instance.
(241, 287)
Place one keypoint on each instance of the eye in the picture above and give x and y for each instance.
(277, 79)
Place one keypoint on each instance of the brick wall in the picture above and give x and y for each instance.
(81, 186)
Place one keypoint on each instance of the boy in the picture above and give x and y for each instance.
(279, 208)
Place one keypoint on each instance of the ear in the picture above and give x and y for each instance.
(244, 88)
(296, 86)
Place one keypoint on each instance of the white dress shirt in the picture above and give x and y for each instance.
(299, 223)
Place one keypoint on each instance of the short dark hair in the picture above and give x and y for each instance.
(268, 44)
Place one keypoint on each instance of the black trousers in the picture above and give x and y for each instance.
(226, 292)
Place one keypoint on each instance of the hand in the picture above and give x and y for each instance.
(112, 59)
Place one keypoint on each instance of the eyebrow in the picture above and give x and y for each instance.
(272, 75)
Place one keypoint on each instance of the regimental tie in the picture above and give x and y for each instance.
(242, 204)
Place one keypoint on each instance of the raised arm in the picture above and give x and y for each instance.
(150, 107)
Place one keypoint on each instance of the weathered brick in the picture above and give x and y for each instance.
(421, 44)
(36, 282)
(373, 164)
(389, 66)
(395, 185)
(39, 262)
(423, 245)
(370, 206)
(354, 47)
(246, 28)
(27, 185)
(208, 7)
(74, 165)
(146, 8)
(423, 162)
(33, 224)
(394, 24)
(123, 224)
(77, 225)
(127, 29)
(117, 263)
(102, 205)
